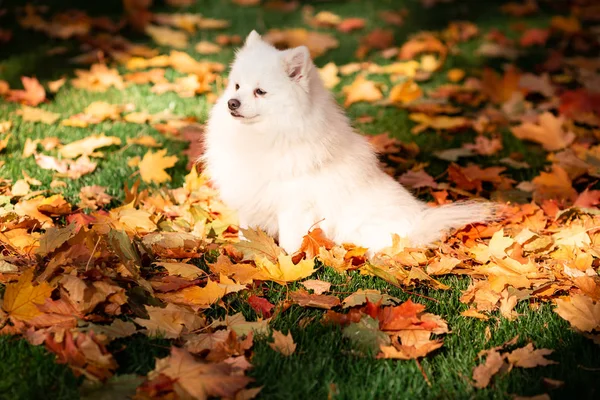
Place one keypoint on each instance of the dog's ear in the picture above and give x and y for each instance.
(296, 63)
(253, 37)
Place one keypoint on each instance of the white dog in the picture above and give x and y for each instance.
(284, 155)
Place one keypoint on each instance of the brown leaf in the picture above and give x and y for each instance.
(548, 132)
(283, 344)
(199, 380)
(318, 286)
(361, 90)
(528, 357)
(483, 373)
(304, 299)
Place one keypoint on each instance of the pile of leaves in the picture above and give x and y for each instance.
(165, 261)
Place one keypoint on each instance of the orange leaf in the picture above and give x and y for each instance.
(314, 240)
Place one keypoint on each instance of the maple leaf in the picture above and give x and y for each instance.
(365, 335)
(440, 122)
(283, 344)
(284, 269)
(581, 311)
(98, 79)
(32, 95)
(153, 165)
(534, 36)
(261, 305)
(167, 37)
(417, 179)
(361, 90)
(318, 43)
(554, 185)
(187, 271)
(329, 75)
(199, 380)
(528, 357)
(408, 352)
(351, 24)
(258, 244)
(421, 43)
(361, 296)
(318, 286)
(88, 145)
(483, 373)
(304, 299)
(170, 322)
(548, 132)
(196, 296)
(30, 114)
(84, 354)
(54, 238)
(405, 92)
(313, 241)
(22, 297)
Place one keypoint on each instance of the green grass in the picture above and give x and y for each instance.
(324, 364)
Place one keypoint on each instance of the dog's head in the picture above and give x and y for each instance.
(265, 82)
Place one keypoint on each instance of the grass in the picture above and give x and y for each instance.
(324, 365)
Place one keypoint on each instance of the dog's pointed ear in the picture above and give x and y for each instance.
(296, 63)
(253, 37)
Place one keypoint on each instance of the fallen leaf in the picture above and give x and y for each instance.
(581, 311)
(153, 165)
(483, 373)
(21, 298)
(32, 94)
(30, 114)
(199, 380)
(318, 286)
(88, 145)
(548, 132)
(313, 241)
(283, 344)
(528, 357)
(304, 299)
(165, 36)
(361, 90)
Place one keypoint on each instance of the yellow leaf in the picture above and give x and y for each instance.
(284, 270)
(405, 92)
(548, 132)
(167, 37)
(361, 90)
(153, 165)
(21, 298)
(456, 75)
(187, 271)
(329, 75)
(499, 243)
(581, 311)
(575, 235)
(88, 145)
(205, 47)
(32, 114)
(195, 295)
(283, 344)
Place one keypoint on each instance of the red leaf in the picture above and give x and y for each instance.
(261, 305)
(534, 36)
(351, 24)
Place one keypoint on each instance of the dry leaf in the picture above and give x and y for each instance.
(283, 344)
(153, 165)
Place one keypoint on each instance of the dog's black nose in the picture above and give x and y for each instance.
(233, 104)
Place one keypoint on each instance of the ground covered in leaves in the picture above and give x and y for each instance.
(120, 272)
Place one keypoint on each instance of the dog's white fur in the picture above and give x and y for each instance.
(292, 160)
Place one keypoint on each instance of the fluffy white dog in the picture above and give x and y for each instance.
(284, 155)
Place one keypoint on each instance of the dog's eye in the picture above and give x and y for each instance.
(237, 86)
(259, 92)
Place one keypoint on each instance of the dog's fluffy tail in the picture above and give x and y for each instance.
(435, 221)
